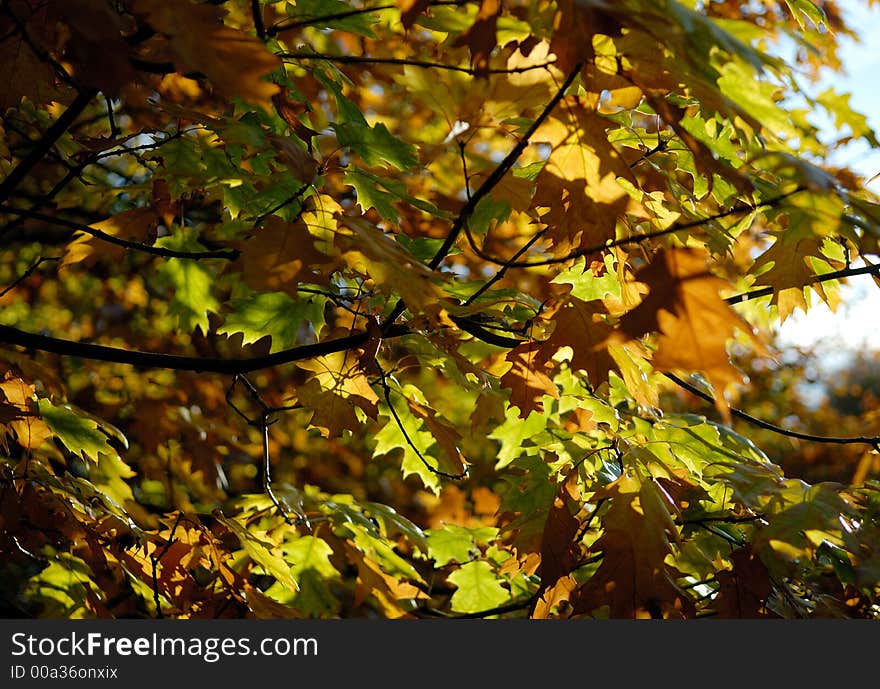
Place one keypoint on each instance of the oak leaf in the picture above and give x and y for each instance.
(579, 326)
(21, 413)
(785, 266)
(480, 37)
(234, 62)
(578, 194)
(638, 532)
(684, 306)
(279, 256)
(336, 390)
(528, 379)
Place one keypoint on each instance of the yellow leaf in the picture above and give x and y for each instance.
(578, 187)
(279, 255)
(234, 62)
(337, 389)
(683, 305)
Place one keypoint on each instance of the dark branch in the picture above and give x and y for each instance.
(637, 239)
(367, 60)
(42, 147)
(487, 186)
(329, 18)
(96, 352)
(760, 423)
(230, 254)
(821, 277)
(27, 273)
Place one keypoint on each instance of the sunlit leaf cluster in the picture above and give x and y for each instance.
(325, 308)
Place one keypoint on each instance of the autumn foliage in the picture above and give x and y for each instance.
(327, 308)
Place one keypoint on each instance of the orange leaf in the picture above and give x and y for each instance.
(234, 62)
(578, 188)
(694, 322)
(527, 380)
(279, 255)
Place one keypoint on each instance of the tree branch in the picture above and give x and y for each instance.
(363, 59)
(487, 186)
(873, 441)
(96, 352)
(637, 239)
(42, 147)
(870, 269)
(230, 254)
(327, 18)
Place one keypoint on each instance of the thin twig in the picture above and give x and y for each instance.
(230, 254)
(491, 182)
(386, 390)
(873, 441)
(328, 18)
(624, 241)
(27, 273)
(155, 559)
(870, 269)
(45, 143)
(407, 62)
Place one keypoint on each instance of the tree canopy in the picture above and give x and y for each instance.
(350, 308)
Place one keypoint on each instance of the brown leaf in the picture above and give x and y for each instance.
(559, 550)
(372, 253)
(24, 75)
(410, 11)
(574, 25)
(386, 589)
(337, 389)
(96, 48)
(790, 271)
(743, 590)
(633, 580)
(279, 255)
(446, 437)
(528, 379)
(480, 37)
(233, 61)
(578, 194)
(136, 224)
(580, 326)
(694, 322)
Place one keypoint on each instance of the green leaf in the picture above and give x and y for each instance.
(189, 283)
(261, 552)
(585, 285)
(394, 523)
(393, 437)
(80, 435)
(276, 315)
(376, 145)
(380, 193)
(458, 544)
(514, 435)
(805, 8)
(740, 83)
(479, 589)
(369, 196)
(63, 587)
(315, 9)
